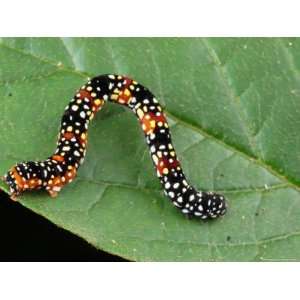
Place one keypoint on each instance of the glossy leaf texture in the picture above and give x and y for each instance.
(234, 109)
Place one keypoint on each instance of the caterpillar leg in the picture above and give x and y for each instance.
(61, 167)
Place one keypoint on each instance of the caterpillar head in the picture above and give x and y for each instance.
(10, 179)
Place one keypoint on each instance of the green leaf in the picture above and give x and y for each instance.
(233, 106)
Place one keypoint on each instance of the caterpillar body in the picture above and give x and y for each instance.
(61, 167)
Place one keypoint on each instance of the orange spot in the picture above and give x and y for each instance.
(85, 94)
(97, 105)
(58, 158)
(124, 96)
(68, 135)
(128, 82)
(55, 186)
(83, 138)
(70, 174)
(18, 178)
(28, 184)
(57, 181)
(164, 163)
(98, 102)
(33, 184)
(150, 120)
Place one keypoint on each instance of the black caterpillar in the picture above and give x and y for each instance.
(61, 168)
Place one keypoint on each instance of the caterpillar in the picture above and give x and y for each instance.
(61, 167)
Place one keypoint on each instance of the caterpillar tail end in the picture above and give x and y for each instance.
(215, 205)
(205, 205)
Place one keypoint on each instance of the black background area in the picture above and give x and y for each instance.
(26, 236)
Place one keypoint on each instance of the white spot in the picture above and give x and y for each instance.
(171, 194)
(192, 197)
(179, 199)
(74, 107)
(82, 114)
(59, 168)
(152, 136)
(152, 149)
(76, 153)
(176, 185)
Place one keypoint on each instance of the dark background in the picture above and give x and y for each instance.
(26, 236)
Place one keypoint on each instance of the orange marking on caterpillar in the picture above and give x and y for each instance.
(124, 96)
(68, 135)
(85, 94)
(83, 139)
(128, 82)
(97, 105)
(55, 186)
(149, 122)
(58, 158)
(70, 174)
(18, 178)
(34, 183)
(164, 165)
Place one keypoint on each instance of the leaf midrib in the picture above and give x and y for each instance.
(145, 189)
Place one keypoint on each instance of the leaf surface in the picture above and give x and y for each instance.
(233, 107)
